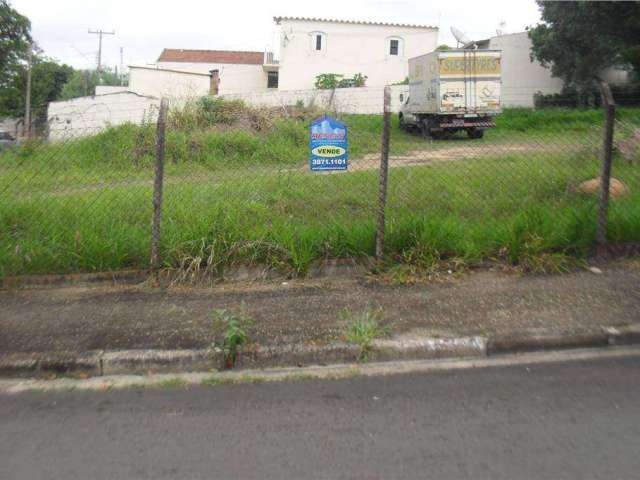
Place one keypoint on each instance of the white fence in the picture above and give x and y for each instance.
(368, 100)
(89, 115)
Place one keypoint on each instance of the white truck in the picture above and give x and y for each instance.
(452, 90)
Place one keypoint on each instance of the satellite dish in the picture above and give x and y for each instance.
(460, 36)
(502, 28)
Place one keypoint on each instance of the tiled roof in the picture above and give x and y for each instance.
(354, 22)
(211, 56)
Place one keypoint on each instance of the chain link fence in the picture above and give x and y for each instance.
(237, 189)
(527, 192)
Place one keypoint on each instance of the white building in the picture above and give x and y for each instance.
(521, 78)
(162, 82)
(312, 46)
(308, 47)
(239, 71)
(188, 73)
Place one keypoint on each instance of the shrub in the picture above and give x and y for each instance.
(329, 81)
(206, 112)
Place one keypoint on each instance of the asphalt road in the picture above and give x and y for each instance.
(567, 420)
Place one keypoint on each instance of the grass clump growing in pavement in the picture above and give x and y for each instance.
(174, 382)
(363, 328)
(231, 329)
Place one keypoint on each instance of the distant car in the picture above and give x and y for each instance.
(6, 140)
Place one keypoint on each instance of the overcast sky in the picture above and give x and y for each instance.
(145, 27)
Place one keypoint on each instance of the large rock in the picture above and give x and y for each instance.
(630, 147)
(592, 187)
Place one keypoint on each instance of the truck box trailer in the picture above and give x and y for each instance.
(453, 90)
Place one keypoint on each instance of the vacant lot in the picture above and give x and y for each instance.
(237, 191)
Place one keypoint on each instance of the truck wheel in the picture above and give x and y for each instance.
(475, 133)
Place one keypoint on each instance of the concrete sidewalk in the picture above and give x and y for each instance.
(306, 313)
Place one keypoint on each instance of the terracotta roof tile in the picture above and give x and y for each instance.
(211, 56)
(354, 22)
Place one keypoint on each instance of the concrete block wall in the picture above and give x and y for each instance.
(364, 100)
(89, 115)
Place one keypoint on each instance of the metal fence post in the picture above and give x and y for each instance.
(605, 175)
(384, 174)
(157, 186)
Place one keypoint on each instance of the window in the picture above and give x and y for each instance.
(272, 79)
(394, 47)
(318, 41)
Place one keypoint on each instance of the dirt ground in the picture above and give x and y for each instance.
(450, 153)
(74, 319)
(371, 161)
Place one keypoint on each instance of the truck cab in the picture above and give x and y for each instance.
(408, 121)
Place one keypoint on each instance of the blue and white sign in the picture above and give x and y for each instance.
(329, 146)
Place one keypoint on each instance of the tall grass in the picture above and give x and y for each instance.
(237, 192)
(290, 224)
(558, 120)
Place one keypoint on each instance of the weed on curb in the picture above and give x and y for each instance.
(175, 382)
(362, 329)
(232, 332)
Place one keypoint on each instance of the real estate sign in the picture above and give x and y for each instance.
(329, 146)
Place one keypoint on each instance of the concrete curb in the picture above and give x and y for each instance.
(124, 277)
(329, 268)
(100, 363)
(545, 341)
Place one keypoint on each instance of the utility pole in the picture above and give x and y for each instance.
(27, 103)
(86, 82)
(121, 66)
(100, 33)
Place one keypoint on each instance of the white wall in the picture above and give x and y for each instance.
(616, 76)
(106, 89)
(345, 100)
(10, 125)
(168, 83)
(350, 49)
(88, 115)
(234, 78)
(521, 78)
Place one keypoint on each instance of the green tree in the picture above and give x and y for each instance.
(83, 83)
(15, 37)
(580, 39)
(443, 48)
(47, 80)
